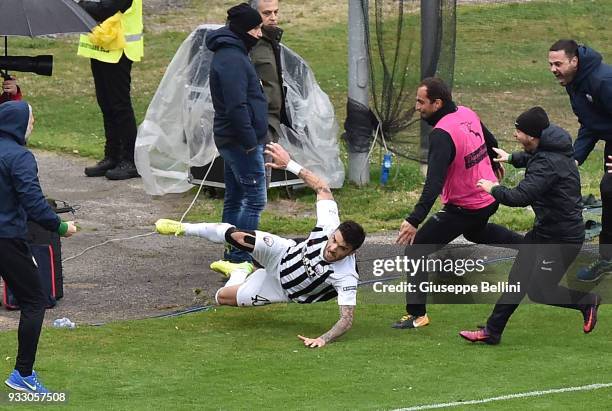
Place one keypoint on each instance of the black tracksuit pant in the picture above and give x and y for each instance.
(443, 227)
(539, 266)
(113, 82)
(21, 275)
(605, 188)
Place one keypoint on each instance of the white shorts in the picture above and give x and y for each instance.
(261, 288)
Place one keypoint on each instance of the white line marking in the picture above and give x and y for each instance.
(508, 397)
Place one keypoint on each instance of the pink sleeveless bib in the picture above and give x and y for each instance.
(471, 162)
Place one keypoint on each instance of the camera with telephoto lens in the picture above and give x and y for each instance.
(42, 65)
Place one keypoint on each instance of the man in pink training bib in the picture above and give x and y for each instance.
(460, 153)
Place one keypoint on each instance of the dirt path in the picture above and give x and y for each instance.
(127, 279)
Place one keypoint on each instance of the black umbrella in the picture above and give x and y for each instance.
(39, 17)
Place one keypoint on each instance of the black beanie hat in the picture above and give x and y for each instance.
(532, 122)
(243, 18)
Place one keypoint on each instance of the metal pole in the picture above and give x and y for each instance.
(358, 75)
(430, 11)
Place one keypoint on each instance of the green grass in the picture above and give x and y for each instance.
(500, 70)
(248, 359)
(251, 359)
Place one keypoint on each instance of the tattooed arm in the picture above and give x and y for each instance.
(282, 160)
(343, 325)
(317, 184)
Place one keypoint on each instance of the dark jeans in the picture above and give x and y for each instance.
(113, 82)
(245, 192)
(21, 275)
(443, 227)
(539, 266)
(605, 188)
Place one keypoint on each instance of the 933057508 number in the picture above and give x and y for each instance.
(37, 397)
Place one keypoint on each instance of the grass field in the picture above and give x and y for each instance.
(501, 69)
(251, 359)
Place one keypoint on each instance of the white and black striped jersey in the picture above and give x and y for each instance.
(307, 277)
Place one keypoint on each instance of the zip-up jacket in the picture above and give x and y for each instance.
(590, 94)
(551, 187)
(241, 108)
(20, 194)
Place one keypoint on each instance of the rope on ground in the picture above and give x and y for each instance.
(106, 242)
(147, 234)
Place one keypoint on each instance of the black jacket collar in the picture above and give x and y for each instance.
(272, 34)
(448, 108)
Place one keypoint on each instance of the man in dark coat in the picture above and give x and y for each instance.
(588, 83)
(552, 187)
(266, 56)
(240, 122)
(21, 199)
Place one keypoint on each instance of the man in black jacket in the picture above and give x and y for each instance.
(240, 123)
(552, 187)
(588, 82)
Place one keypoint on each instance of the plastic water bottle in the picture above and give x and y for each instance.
(385, 169)
(64, 323)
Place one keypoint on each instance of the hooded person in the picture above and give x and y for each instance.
(588, 83)
(21, 198)
(552, 188)
(241, 121)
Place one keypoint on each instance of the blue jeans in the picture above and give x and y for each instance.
(245, 192)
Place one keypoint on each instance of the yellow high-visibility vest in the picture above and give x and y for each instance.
(132, 30)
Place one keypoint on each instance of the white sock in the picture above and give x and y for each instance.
(214, 232)
(237, 277)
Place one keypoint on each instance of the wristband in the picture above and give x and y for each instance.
(63, 228)
(293, 167)
(509, 158)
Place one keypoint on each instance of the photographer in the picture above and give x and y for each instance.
(10, 89)
(21, 199)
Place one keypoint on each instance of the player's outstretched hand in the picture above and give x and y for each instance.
(280, 157)
(312, 342)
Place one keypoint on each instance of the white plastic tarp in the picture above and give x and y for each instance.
(177, 132)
